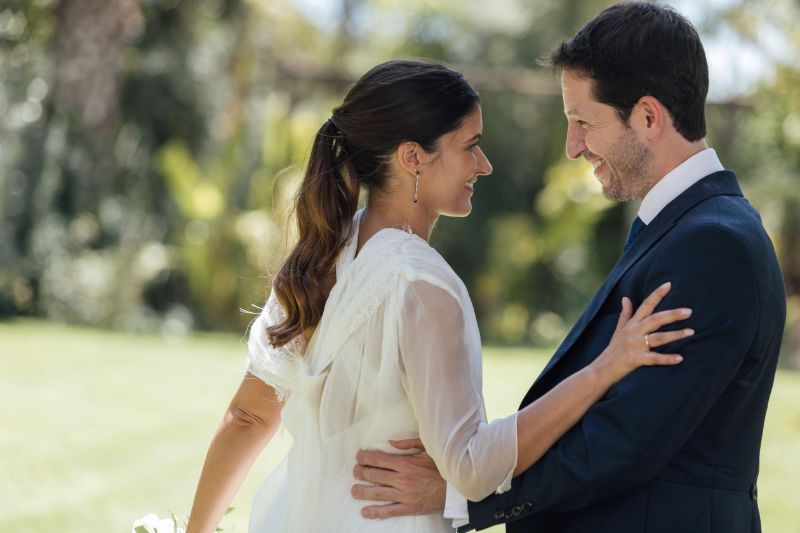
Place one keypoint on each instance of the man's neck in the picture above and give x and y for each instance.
(673, 155)
(676, 181)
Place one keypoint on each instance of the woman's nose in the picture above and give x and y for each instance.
(484, 166)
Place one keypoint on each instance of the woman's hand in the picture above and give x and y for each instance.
(635, 337)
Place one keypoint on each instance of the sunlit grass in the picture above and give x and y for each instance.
(99, 428)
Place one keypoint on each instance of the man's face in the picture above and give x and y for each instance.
(595, 132)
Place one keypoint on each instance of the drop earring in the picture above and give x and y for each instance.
(416, 186)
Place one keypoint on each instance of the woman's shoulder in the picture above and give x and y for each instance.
(423, 263)
(393, 256)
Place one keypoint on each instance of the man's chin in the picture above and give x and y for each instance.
(613, 194)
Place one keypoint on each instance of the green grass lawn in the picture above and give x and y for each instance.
(98, 428)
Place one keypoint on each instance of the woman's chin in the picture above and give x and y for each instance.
(458, 212)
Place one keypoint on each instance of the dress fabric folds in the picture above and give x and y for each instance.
(396, 355)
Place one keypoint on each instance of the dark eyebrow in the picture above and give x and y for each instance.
(475, 138)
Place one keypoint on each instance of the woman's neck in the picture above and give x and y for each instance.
(386, 212)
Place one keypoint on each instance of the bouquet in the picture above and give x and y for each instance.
(153, 524)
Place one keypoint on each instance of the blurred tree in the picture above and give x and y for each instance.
(25, 28)
(150, 149)
(762, 138)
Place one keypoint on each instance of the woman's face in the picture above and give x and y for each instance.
(447, 177)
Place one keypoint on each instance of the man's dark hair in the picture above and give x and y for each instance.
(636, 49)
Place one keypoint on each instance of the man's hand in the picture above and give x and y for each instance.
(410, 483)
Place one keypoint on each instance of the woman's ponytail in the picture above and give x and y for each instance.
(326, 204)
(394, 102)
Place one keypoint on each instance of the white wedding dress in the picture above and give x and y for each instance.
(396, 355)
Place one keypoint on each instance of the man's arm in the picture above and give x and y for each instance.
(633, 432)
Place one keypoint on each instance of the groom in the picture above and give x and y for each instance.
(668, 449)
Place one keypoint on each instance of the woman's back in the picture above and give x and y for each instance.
(349, 391)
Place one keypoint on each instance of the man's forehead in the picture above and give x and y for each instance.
(573, 106)
(576, 92)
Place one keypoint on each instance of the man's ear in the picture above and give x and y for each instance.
(409, 156)
(650, 117)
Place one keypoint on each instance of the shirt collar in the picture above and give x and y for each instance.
(678, 180)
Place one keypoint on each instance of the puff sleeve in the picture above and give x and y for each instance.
(276, 367)
(440, 354)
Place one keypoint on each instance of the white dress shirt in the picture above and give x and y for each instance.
(667, 189)
(678, 180)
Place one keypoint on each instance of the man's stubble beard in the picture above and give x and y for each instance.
(629, 176)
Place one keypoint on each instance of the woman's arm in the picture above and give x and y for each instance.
(251, 420)
(543, 422)
(441, 357)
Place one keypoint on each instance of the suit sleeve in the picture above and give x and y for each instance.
(632, 432)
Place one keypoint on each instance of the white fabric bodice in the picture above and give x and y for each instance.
(396, 355)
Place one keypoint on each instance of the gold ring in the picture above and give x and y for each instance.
(647, 341)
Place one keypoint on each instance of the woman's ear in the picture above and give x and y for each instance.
(408, 156)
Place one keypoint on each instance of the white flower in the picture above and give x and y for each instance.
(152, 524)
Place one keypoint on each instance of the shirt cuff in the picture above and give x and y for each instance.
(455, 507)
(506, 485)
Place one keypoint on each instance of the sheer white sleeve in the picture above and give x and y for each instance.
(441, 355)
(276, 367)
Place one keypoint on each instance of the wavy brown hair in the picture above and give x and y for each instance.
(394, 102)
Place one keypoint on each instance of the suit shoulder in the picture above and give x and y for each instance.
(706, 228)
(730, 218)
(709, 238)
(712, 251)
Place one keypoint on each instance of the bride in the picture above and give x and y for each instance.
(369, 336)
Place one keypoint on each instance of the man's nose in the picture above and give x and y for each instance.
(575, 146)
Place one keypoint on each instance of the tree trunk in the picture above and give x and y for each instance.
(87, 49)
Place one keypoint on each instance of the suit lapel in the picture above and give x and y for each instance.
(717, 184)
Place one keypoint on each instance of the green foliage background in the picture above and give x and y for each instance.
(149, 152)
(116, 426)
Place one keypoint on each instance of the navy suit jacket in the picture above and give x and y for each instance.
(668, 449)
